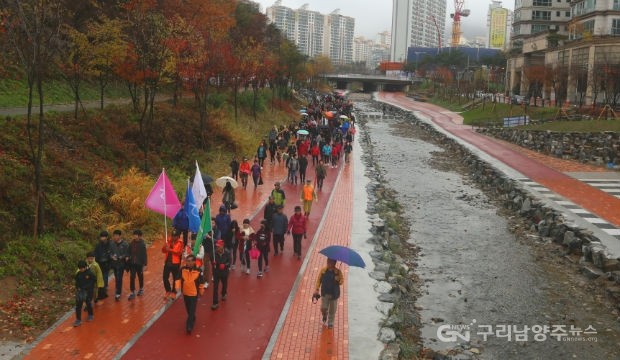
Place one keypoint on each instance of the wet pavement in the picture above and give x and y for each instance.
(472, 267)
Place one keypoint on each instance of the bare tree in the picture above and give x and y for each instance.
(33, 27)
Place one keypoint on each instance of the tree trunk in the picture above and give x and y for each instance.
(38, 166)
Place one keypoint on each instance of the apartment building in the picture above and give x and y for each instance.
(315, 33)
(416, 23)
(572, 60)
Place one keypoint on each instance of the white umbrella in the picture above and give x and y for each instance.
(221, 182)
(344, 117)
(302, 132)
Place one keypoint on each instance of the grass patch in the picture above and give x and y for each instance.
(493, 115)
(14, 93)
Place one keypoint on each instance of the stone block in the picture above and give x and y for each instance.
(611, 265)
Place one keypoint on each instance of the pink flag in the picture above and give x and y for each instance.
(163, 199)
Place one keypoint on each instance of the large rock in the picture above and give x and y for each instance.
(571, 241)
(387, 335)
(391, 352)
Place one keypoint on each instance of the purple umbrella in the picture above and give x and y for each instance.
(343, 254)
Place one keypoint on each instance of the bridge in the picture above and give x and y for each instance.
(369, 83)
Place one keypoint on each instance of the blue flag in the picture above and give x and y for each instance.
(191, 208)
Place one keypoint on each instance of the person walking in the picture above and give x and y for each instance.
(222, 223)
(172, 249)
(119, 253)
(180, 223)
(297, 226)
(278, 195)
(221, 265)
(329, 280)
(234, 168)
(308, 195)
(270, 209)
(235, 232)
(279, 225)
(244, 170)
(247, 232)
(348, 148)
(102, 257)
(228, 196)
(256, 173)
(137, 263)
(303, 165)
(293, 167)
(84, 288)
(192, 285)
(262, 244)
(96, 269)
(315, 152)
(261, 153)
(320, 172)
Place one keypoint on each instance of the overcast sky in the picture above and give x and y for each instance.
(375, 16)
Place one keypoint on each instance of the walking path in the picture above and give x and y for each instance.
(546, 171)
(243, 325)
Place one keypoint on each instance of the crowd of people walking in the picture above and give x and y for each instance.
(324, 133)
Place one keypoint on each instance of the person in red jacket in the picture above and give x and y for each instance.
(173, 251)
(244, 171)
(297, 226)
(315, 152)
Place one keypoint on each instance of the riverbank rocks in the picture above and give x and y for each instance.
(600, 148)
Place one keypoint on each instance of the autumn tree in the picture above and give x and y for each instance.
(106, 47)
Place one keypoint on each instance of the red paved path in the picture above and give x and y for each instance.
(242, 326)
(539, 170)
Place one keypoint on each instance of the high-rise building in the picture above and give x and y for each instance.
(309, 31)
(416, 23)
(315, 33)
(339, 33)
(499, 20)
(531, 17)
(384, 38)
(283, 18)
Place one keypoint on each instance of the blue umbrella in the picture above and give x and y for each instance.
(343, 254)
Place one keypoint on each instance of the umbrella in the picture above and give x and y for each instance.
(221, 181)
(302, 110)
(329, 114)
(207, 179)
(344, 117)
(343, 254)
(304, 114)
(302, 132)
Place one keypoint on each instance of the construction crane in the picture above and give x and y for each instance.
(438, 33)
(456, 21)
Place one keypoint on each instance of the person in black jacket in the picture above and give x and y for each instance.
(221, 264)
(102, 257)
(119, 253)
(137, 263)
(85, 282)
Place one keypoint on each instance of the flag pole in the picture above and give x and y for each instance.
(163, 171)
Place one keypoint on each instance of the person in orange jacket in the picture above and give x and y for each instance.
(173, 250)
(192, 285)
(244, 171)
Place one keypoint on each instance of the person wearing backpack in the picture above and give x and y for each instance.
(293, 167)
(180, 222)
(102, 257)
(297, 225)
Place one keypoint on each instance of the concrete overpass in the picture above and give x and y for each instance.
(369, 83)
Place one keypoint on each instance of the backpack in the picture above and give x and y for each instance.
(262, 240)
(181, 221)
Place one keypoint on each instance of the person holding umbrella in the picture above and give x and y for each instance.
(328, 282)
